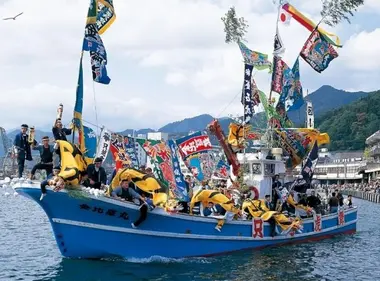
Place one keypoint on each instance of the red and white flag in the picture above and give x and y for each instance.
(284, 17)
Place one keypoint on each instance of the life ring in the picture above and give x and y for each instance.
(255, 192)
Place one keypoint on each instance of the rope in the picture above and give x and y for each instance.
(224, 109)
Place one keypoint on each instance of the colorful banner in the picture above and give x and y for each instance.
(106, 15)
(292, 94)
(297, 143)
(119, 154)
(130, 149)
(195, 150)
(317, 52)
(90, 144)
(180, 192)
(298, 16)
(195, 144)
(160, 158)
(222, 170)
(246, 98)
(278, 72)
(258, 60)
(94, 44)
(104, 144)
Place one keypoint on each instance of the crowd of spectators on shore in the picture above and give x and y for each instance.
(371, 187)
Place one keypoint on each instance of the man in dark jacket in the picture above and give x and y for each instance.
(59, 132)
(22, 149)
(46, 153)
(97, 176)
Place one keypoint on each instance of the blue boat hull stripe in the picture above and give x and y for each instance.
(192, 236)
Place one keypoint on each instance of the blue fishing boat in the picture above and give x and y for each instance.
(88, 224)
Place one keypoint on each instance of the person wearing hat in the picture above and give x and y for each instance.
(51, 180)
(46, 154)
(59, 132)
(22, 149)
(97, 176)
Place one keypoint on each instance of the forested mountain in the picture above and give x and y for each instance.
(350, 125)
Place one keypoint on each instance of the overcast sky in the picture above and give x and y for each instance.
(167, 59)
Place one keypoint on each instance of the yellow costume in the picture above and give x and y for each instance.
(72, 163)
(143, 181)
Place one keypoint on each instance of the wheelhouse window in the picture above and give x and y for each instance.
(269, 169)
(256, 168)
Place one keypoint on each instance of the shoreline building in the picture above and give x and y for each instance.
(339, 167)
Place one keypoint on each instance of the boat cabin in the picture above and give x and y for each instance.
(259, 170)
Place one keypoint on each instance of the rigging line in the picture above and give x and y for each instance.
(96, 111)
(233, 99)
(92, 124)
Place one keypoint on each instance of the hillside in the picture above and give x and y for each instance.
(325, 99)
(196, 123)
(350, 125)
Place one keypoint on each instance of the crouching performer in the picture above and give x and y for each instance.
(257, 209)
(215, 197)
(133, 184)
(73, 166)
(51, 180)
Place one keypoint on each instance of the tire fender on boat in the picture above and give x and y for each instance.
(254, 191)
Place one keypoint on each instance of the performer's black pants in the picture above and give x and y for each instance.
(20, 164)
(42, 166)
(143, 214)
(44, 184)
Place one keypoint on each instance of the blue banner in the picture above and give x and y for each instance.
(90, 142)
(130, 149)
(94, 44)
(222, 170)
(292, 94)
(180, 192)
(318, 52)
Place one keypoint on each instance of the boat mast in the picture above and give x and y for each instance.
(270, 103)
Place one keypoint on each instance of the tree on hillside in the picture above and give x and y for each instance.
(334, 11)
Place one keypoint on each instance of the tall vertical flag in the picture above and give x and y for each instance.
(246, 99)
(317, 52)
(94, 44)
(104, 144)
(180, 192)
(78, 108)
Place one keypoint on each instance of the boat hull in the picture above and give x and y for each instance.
(98, 227)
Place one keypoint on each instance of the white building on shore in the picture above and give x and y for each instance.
(339, 167)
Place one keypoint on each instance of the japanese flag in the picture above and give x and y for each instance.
(284, 17)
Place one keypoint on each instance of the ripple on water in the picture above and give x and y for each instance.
(28, 252)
